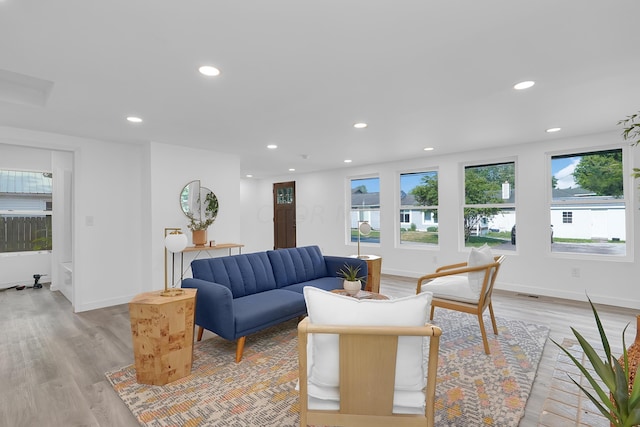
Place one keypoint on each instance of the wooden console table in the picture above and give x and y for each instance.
(162, 332)
(215, 247)
(374, 267)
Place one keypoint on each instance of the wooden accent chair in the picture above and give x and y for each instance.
(367, 369)
(465, 303)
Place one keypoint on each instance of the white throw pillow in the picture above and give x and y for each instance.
(478, 256)
(328, 308)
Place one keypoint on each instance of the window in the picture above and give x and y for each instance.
(25, 211)
(419, 208)
(365, 206)
(588, 204)
(489, 208)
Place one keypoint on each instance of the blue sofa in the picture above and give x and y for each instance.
(242, 294)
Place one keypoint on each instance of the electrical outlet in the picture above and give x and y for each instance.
(435, 259)
(575, 272)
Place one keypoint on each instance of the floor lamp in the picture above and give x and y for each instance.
(363, 229)
(174, 241)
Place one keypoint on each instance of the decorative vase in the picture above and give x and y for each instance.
(633, 354)
(352, 287)
(199, 237)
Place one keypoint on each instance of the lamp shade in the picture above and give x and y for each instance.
(364, 228)
(175, 241)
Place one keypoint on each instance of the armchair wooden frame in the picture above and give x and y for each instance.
(367, 375)
(477, 308)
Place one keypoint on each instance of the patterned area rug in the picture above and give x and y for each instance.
(473, 389)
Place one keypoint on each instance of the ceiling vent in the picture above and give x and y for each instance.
(21, 89)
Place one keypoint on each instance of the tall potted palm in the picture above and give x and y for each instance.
(619, 400)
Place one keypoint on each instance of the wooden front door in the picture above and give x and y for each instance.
(284, 215)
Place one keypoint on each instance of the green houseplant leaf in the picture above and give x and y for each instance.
(617, 401)
(350, 273)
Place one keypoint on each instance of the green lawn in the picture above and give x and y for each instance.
(419, 237)
(476, 241)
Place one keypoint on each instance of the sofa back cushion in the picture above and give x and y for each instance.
(244, 274)
(297, 265)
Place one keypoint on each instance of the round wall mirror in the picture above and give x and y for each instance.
(198, 202)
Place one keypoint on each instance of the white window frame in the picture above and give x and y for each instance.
(486, 162)
(627, 187)
(398, 208)
(367, 216)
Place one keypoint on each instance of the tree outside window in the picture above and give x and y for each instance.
(365, 206)
(489, 208)
(419, 208)
(588, 207)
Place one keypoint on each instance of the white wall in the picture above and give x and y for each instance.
(322, 201)
(107, 185)
(124, 197)
(172, 167)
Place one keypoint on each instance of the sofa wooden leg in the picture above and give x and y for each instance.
(240, 349)
(200, 331)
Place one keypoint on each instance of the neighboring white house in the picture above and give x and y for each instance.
(411, 216)
(365, 207)
(579, 214)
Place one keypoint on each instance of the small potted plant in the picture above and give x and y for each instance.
(199, 225)
(199, 229)
(352, 281)
(619, 401)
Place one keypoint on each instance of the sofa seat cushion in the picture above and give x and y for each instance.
(244, 274)
(324, 283)
(258, 311)
(297, 265)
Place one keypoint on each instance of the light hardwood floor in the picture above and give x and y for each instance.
(52, 361)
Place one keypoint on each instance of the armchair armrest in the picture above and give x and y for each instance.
(214, 307)
(453, 269)
(450, 266)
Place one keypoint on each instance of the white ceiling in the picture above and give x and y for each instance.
(299, 73)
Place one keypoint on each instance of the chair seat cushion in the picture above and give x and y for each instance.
(333, 309)
(454, 288)
(328, 399)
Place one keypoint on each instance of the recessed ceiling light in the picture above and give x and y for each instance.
(209, 71)
(551, 130)
(428, 149)
(134, 119)
(292, 170)
(348, 161)
(360, 125)
(249, 175)
(524, 85)
(272, 146)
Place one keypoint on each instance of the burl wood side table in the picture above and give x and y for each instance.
(374, 267)
(162, 331)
